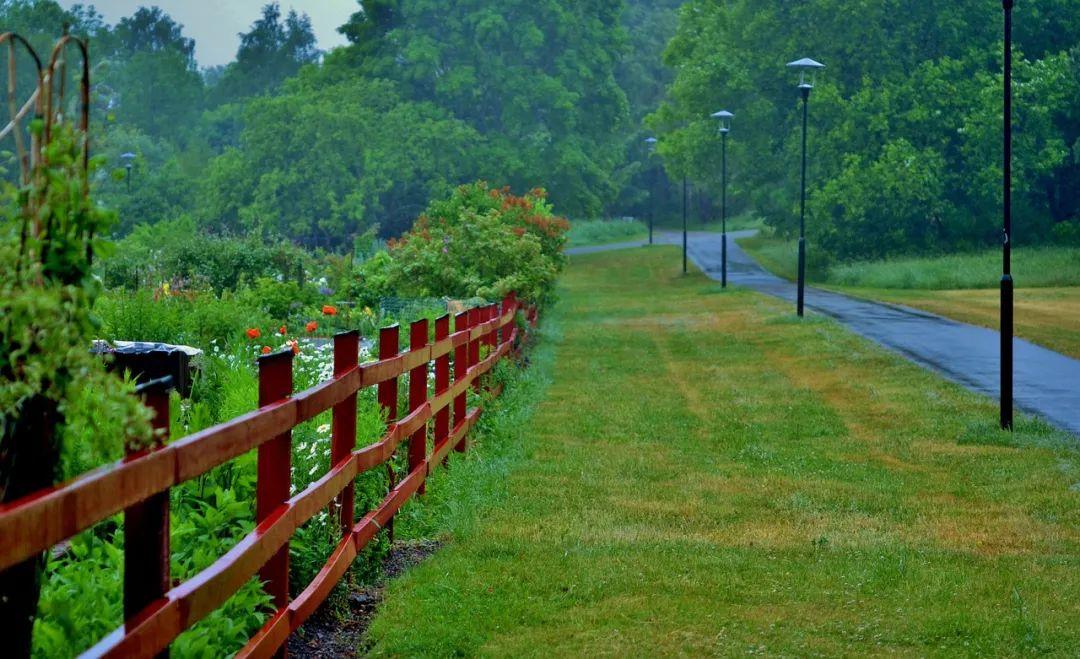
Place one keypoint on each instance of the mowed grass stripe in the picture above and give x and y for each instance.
(710, 476)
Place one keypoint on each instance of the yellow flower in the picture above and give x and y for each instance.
(367, 311)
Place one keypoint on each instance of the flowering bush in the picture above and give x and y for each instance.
(481, 242)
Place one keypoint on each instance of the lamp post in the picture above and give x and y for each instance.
(128, 158)
(807, 68)
(1006, 265)
(725, 118)
(651, 142)
(684, 241)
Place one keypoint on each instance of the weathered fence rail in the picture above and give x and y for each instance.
(156, 611)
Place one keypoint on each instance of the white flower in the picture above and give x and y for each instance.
(323, 429)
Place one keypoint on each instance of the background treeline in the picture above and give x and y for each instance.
(288, 142)
(905, 121)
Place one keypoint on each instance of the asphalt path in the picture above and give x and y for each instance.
(1046, 383)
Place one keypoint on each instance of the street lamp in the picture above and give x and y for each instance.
(651, 142)
(684, 236)
(725, 118)
(807, 69)
(1006, 265)
(128, 158)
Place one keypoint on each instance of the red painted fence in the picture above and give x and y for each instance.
(157, 611)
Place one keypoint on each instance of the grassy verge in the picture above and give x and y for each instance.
(1033, 267)
(738, 223)
(709, 476)
(584, 233)
(1049, 317)
(963, 287)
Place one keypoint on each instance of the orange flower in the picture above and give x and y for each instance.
(295, 345)
(283, 330)
(254, 333)
(266, 350)
(329, 310)
(311, 327)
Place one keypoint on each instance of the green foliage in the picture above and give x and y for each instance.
(80, 600)
(481, 242)
(535, 79)
(46, 236)
(292, 177)
(905, 133)
(269, 53)
(178, 253)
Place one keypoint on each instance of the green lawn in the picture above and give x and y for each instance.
(708, 475)
(604, 232)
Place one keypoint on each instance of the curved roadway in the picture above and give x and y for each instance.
(1046, 383)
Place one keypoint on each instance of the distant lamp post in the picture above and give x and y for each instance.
(807, 69)
(651, 142)
(724, 118)
(685, 194)
(1006, 265)
(128, 158)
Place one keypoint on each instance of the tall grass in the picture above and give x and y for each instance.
(1033, 267)
(601, 232)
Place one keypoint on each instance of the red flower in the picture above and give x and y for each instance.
(329, 310)
(266, 350)
(311, 327)
(295, 345)
(283, 330)
(254, 333)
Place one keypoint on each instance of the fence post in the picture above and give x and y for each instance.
(418, 390)
(346, 357)
(442, 382)
(389, 345)
(275, 470)
(508, 331)
(493, 335)
(146, 524)
(474, 344)
(461, 370)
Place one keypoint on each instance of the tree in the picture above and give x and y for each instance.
(269, 53)
(150, 76)
(537, 79)
(326, 159)
(912, 86)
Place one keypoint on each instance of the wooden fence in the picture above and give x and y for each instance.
(156, 610)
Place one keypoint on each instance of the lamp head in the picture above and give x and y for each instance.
(651, 141)
(807, 69)
(724, 117)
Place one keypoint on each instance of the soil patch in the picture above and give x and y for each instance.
(325, 635)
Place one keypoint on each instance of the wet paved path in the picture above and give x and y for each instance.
(1047, 383)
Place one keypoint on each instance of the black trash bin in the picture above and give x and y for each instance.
(146, 362)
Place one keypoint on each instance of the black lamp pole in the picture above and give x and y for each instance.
(723, 212)
(802, 211)
(652, 204)
(1006, 277)
(651, 142)
(128, 168)
(684, 195)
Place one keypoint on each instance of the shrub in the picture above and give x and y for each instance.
(480, 242)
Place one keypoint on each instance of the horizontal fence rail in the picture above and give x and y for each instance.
(156, 610)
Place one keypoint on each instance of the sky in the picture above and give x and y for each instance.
(216, 24)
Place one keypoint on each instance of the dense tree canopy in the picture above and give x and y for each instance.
(288, 142)
(536, 79)
(905, 130)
